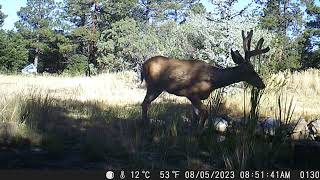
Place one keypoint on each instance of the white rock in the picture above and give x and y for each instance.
(300, 130)
(314, 127)
(220, 124)
(269, 126)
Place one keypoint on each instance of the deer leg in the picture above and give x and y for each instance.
(204, 117)
(196, 116)
(150, 96)
(200, 111)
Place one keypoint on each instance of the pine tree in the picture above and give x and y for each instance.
(13, 54)
(35, 24)
(84, 16)
(282, 16)
(2, 17)
(313, 23)
(116, 10)
(156, 11)
(285, 18)
(311, 55)
(39, 24)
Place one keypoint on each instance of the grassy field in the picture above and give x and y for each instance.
(303, 88)
(93, 122)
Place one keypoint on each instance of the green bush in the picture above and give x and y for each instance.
(128, 42)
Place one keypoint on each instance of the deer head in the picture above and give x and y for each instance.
(249, 74)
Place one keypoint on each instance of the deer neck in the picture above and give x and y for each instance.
(227, 76)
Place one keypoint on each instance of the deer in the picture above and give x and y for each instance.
(196, 79)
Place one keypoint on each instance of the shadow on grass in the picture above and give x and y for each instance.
(94, 135)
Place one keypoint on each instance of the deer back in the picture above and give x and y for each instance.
(180, 77)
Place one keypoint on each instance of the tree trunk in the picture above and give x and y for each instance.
(94, 16)
(285, 19)
(36, 57)
(92, 44)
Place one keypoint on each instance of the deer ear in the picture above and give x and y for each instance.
(236, 57)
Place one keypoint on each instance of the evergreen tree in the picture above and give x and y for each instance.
(13, 54)
(84, 16)
(39, 25)
(116, 10)
(282, 16)
(90, 18)
(311, 55)
(35, 25)
(285, 18)
(313, 24)
(2, 17)
(156, 11)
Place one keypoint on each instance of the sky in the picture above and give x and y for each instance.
(10, 8)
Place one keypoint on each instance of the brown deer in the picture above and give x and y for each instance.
(196, 79)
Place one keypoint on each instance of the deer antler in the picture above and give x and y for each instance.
(247, 45)
(247, 40)
(236, 56)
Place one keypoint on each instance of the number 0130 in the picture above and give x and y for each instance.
(309, 174)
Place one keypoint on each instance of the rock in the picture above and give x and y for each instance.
(220, 124)
(269, 126)
(300, 130)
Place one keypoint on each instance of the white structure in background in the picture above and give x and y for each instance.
(30, 69)
(220, 124)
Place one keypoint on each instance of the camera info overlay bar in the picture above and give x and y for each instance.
(156, 174)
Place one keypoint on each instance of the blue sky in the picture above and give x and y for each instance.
(10, 8)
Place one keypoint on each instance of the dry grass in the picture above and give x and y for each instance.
(303, 87)
(80, 117)
(125, 89)
(97, 117)
(117, 89)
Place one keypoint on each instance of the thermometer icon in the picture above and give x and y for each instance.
(122, 176)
